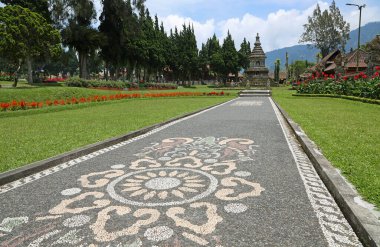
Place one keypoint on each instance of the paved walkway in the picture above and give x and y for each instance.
(230, 176)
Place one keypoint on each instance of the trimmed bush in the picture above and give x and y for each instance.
(358, 88)
(77, 82)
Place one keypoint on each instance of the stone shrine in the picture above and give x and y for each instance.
(257, 73)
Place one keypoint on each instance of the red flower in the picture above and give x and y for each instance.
(377, 68)
(22, 104)
(345, 78)
(5, 106)
(33, 104)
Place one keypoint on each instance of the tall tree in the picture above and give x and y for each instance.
(326, 30)
(26, 35)
(215, 60)
(79, 33)
(230, 56)
(113, 22)
(277, 70)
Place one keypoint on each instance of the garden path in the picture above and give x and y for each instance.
(233, 175)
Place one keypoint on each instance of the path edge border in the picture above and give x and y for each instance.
(38, 166)
(362, 220)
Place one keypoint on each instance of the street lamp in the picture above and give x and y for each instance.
(360, 21)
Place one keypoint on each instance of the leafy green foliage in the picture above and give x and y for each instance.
(326, 30)
(297, 68)
(359, 88)
(39, 6)
(26, 35)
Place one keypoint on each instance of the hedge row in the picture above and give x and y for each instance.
(357, 88)
(364, 100)
(77, 82)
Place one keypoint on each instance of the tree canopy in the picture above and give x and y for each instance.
(26, 35)
(326, 30)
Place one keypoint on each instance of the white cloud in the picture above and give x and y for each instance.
(203, 31)
(280, 29)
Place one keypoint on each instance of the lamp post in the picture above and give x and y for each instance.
(360, 21)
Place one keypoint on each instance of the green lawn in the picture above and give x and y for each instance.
(37, 134)
(348, 132)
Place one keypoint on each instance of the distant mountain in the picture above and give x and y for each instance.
(303, 52)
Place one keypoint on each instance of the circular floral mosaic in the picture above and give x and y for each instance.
(162, 187)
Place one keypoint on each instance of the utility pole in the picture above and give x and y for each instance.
(360, 21)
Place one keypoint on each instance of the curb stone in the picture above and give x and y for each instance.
(364, 221)
(38, 166)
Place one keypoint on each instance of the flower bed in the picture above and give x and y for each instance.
(359, 85)
(23, 105)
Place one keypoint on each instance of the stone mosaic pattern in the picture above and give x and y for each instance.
(168, 183)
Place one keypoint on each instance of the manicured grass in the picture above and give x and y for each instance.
(38, 134)
(348, 133)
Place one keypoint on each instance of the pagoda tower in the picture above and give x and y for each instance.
(257, 73)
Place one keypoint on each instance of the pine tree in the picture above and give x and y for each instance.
(244, 52)
(230, 56)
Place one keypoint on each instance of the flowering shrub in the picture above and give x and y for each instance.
(6, 77)
(22, 105)
(359, 85)
(54, 80)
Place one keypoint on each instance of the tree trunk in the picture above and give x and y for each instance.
(16, 74)
(106, 72)
(83, 73)
(30, 70)
(117, 73)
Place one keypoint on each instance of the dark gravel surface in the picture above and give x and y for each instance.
(226, 177)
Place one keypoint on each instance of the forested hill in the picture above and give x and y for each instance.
(303, 52)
